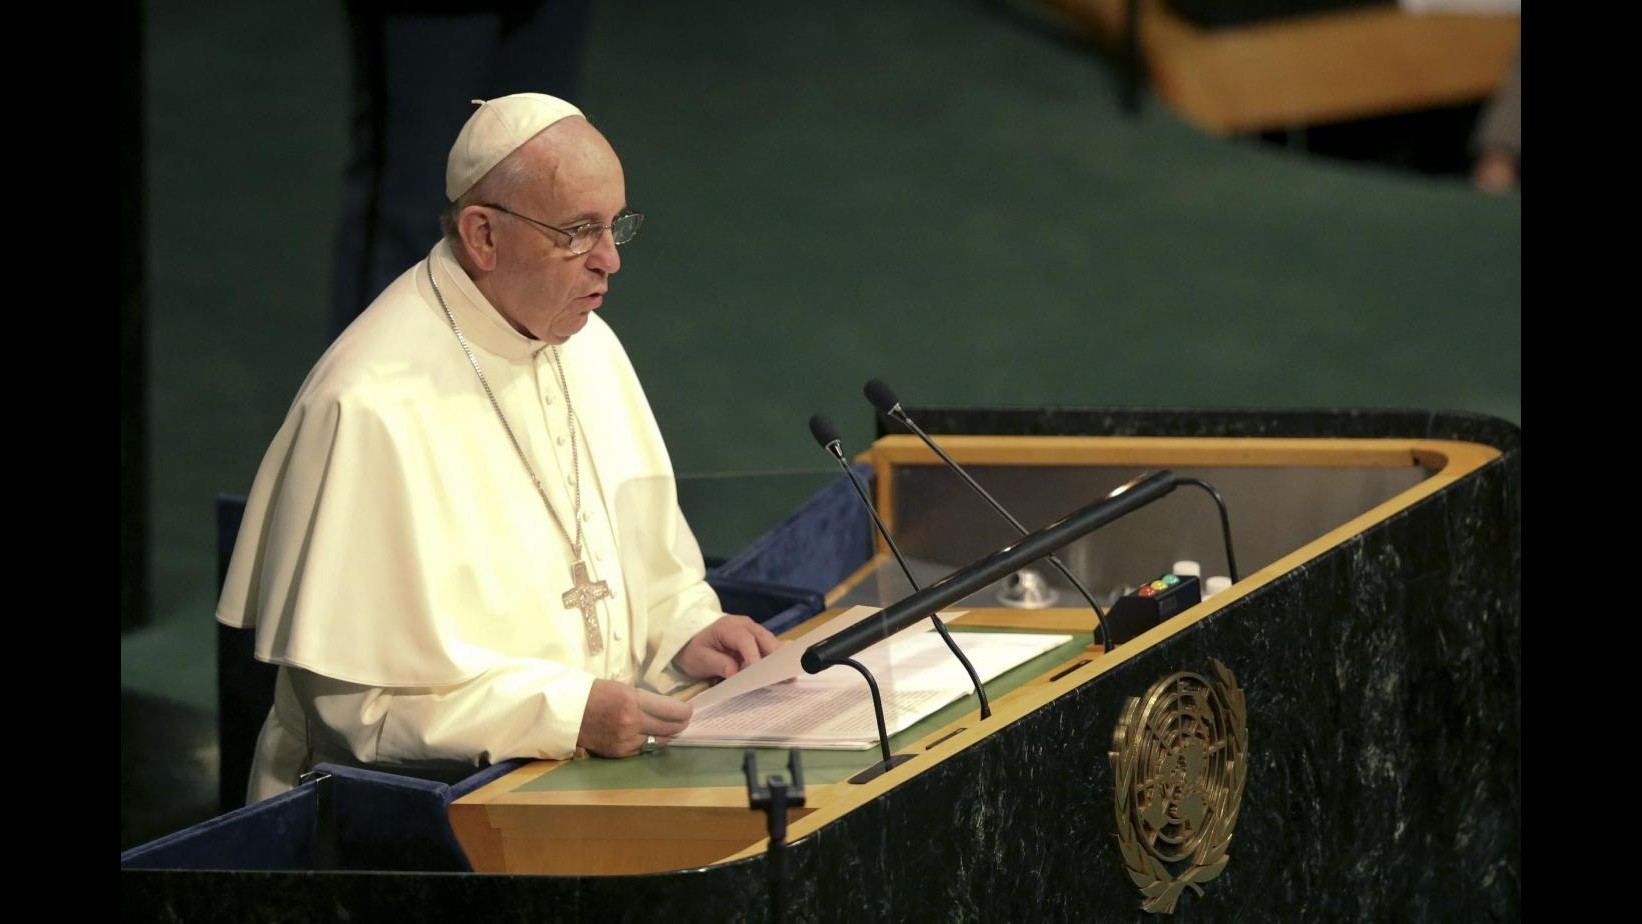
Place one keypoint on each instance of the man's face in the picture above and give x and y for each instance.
(538, 284)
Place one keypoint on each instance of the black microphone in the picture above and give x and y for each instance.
(976, 575)
(883, 398)
(827, 435)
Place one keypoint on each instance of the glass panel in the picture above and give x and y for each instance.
(942, 525)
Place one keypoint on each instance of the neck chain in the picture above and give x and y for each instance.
(584, 593)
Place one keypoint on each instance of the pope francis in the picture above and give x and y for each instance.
(464, 543)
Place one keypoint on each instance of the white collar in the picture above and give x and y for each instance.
(475, 315)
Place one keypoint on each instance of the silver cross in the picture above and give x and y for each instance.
(584, 596)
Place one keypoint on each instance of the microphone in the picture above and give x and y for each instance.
(827, 435)
(976, 575)
(883, 398)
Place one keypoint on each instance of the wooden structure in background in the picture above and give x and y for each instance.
(1307, 70)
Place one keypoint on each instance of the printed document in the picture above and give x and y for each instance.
(775, 704)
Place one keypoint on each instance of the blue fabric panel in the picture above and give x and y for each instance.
(814, 548)
(762, 601)
(274, 834)
(393, 822)
(775, 606)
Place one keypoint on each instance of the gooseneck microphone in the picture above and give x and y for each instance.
(827, 435)
(883, 398)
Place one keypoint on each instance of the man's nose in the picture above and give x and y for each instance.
(604, 256)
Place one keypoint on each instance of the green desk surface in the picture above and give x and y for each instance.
(690, 767)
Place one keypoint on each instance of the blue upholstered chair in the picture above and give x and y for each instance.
(809, 553)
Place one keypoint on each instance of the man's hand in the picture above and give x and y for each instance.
(725, 647)
(619, 717)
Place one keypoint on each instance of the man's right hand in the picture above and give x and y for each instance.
(618, 718)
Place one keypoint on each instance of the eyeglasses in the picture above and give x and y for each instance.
(584, 236)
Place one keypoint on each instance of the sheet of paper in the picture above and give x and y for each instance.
(783, 663)
(825, 717)
(916, 675)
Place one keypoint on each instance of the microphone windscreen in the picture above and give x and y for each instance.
(822, 429)
(880, 395)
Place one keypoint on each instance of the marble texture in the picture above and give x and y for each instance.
(1384, 688)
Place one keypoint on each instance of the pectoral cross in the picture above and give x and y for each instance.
(584, 595)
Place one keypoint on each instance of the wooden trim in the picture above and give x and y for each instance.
(1162, 452)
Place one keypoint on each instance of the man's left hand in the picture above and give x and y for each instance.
(725, 647)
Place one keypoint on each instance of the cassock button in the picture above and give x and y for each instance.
(561, 441)
(598, 555)
(587, 516)
(548, 397)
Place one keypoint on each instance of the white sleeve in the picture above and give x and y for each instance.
(519, 708)
(681, 602)
(678, 620)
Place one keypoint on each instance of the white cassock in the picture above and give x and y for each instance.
(401, 568)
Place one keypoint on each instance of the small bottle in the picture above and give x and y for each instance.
(1215, 585)
(1187, 567)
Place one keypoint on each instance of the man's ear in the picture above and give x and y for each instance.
(477, 230)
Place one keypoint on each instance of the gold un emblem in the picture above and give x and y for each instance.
(1179, 757)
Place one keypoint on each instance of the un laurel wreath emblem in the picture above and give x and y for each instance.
(1179, 758)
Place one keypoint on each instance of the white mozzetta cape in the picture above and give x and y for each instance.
(393, 539)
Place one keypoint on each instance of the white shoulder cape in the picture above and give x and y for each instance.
(391, 537)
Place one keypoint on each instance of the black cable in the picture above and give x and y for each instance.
(1225, 523)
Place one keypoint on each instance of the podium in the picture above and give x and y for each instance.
(1371, 646)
